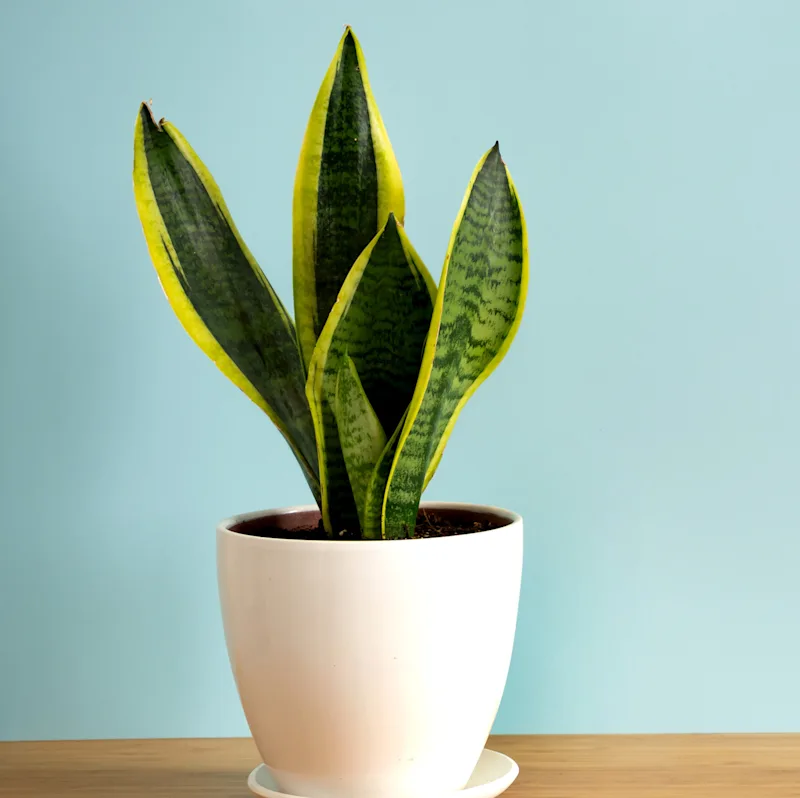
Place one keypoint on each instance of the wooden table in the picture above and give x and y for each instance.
(706, 766)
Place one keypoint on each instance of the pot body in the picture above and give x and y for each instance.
(370, 669)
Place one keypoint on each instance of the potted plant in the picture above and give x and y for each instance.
(369, 633)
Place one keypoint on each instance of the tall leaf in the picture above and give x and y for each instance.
(347, 183)
(380, 321)
(214, 285)
(478, 310)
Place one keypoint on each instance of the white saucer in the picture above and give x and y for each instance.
(493, 775)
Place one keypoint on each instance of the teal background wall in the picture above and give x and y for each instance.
(646, 421)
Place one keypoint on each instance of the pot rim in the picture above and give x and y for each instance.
(225, 527)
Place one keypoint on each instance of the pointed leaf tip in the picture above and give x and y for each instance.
(148, 120)
(348, 40)
(391, 222)
(493, 157)
(350, 35)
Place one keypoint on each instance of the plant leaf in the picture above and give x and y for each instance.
(380, 320)
(360, 433)
(478, 310)
(347, 183)
(214, 285)
(373, 502)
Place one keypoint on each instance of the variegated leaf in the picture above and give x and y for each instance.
(214, 285)
(478, 310)
(347, 183)
(360, 433)
(380, 320)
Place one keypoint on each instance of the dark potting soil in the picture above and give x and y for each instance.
(439, 524)
(430, 524)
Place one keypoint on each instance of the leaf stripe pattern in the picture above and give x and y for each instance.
(360, 433)
(372, 527)
(478, 310)
(380, 320)
(216, 288)
(347, 183)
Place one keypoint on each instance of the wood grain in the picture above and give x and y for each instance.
(657, 766)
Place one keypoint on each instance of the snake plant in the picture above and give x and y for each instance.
(368, 380)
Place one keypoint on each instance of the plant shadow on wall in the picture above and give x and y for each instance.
(367, 382)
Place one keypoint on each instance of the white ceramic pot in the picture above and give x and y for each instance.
(370, 669)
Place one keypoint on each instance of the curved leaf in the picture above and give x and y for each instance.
(380, 320)
(360, 433)
(214, 285)
(478, 310)
(347, 183)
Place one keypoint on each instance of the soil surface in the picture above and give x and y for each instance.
(430, 524)
(441, 524)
